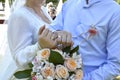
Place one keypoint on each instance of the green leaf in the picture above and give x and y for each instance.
(23, 74)
(71, 73)
(74, 50)
(67, 49)
(30, 65)
(56, 58)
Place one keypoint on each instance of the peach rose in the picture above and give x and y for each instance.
(47, 71)
(44, 54)
(62, 72)
(71, 64)
(78, 74)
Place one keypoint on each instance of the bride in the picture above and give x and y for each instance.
(25, 36)
(23, 26)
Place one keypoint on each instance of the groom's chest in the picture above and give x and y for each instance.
(77, 16)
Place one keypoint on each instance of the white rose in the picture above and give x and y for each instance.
(61, 72)
(71, 64)
(43, 54)
(47, 71)
(78, 74)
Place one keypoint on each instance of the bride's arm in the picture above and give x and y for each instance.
(20, 39)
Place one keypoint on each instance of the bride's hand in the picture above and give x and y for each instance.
(46, 38)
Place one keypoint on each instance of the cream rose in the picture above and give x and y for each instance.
(62, 72)
(78, 74)
(43, 54)
(71, 64)
(47, 71)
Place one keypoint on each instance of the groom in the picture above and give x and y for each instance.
(100, 51)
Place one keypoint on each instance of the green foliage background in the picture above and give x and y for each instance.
(118, 1)
(54, 1)
(2, 0)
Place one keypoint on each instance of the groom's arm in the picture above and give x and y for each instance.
(111, 68)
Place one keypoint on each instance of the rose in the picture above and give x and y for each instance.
(61, 72)
(78, 74)
(34, 78)
(43, 54)
(92, 31)
(47, 71)
(71, 64)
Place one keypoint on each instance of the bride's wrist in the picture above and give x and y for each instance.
(39, 47)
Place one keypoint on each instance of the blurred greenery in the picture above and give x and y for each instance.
(117, 78)
(64, 0)
(10, 1)
(54, 1)
(2, 1)
(118, 1)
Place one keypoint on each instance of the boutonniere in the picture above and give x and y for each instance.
(92, 31)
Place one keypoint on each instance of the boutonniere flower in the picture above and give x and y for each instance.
(92, 31)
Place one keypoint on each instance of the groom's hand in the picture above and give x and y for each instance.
(46, 38)
(64, 38)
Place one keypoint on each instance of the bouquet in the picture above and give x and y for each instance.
(54, 64)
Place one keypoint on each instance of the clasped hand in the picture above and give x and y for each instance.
(57, 39)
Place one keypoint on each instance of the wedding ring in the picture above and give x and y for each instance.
(60, 46)
(59, 36)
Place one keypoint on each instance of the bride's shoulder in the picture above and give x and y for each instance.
(21, 12)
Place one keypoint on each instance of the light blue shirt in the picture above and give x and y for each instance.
(101, 53)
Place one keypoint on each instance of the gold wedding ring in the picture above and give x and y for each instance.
(59, 36)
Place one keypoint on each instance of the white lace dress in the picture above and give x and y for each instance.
(23, 27)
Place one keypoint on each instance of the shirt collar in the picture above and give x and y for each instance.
(90, 2)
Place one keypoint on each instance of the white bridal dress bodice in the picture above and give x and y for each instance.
(23, 27)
